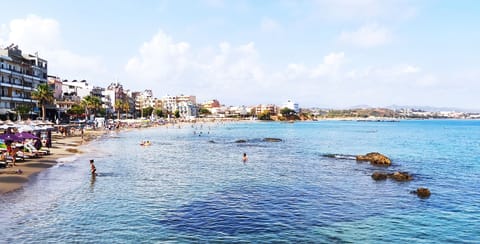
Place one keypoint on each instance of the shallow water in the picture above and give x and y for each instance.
(192, 187)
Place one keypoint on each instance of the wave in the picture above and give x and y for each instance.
(339, 156)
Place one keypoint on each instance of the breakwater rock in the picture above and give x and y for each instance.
(398, 176)
(269, 139)
(422, 192)
(375, 158)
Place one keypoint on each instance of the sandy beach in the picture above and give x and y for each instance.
(62, 147)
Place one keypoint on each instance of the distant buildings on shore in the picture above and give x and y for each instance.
(20, 75)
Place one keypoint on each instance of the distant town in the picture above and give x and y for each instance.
(73, 100)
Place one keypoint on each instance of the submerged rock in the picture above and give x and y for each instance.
(375, 158)
(268, 139)
(422, 192)
(401, 176)
(398, 176)
(379, 176)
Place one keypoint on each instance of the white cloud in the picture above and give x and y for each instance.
(173, 67)
(43, 35)
(35, 33)
(269, 25)
(370, 35)
(330, 66)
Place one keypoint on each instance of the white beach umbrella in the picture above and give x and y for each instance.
(4, 127)
(25, 128)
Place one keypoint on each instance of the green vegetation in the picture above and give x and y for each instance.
(22, 110)
(159, 113)
(204, 111)
(265, 115)
(147, 111)
(44, 95)
(76, 111)
(91, 104)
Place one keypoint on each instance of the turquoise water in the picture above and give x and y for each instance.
(192, 187)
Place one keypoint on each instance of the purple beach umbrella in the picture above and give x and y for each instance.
(10, 137)
(25, 135)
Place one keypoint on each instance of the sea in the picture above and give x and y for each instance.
(191, 186)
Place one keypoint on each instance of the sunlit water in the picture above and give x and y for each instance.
(192, 187)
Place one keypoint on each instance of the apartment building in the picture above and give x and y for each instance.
(20, 74)
(185, 105)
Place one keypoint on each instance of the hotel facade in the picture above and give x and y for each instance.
(20, 74)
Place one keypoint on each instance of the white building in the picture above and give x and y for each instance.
(291, 105)
(186, 105)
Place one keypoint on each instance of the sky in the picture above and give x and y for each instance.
(318, 53)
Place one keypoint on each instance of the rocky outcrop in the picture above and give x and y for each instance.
(268, 139)
(398, 176)
(379, 176)
(375, 158)
(401, 176)
(422, 192)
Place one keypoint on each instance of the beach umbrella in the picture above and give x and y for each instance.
(25, 135)
(24, 128)
(10, 137)
(4, 127)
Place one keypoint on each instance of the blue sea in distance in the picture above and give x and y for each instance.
(192, 187)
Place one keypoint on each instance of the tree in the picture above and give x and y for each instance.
(204, 111)
(287, 112)
(102, 112)
(22, 110)
(265, 115)
(159, 112)
(76, 110)
(126, 106)
(91, 104)
(44, 95)
(147, 111)
(177, 114)
(118, 107)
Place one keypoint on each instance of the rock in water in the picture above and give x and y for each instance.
(268, 139)
(375, 158)
(379, 176)
(401, 176)
(422, 192)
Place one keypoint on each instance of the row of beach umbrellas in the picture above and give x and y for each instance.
(26, 125)
(21, 136)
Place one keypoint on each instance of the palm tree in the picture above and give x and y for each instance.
(44, 95)
(118, 107)
(91, 103)
(126, 106)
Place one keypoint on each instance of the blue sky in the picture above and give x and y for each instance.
(328, 53)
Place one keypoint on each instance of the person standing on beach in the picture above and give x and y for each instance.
(93, 169)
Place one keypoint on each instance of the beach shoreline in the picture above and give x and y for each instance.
(62, 147)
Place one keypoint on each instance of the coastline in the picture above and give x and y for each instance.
(61, 147)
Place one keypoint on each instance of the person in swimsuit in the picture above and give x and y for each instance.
(93, 169)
